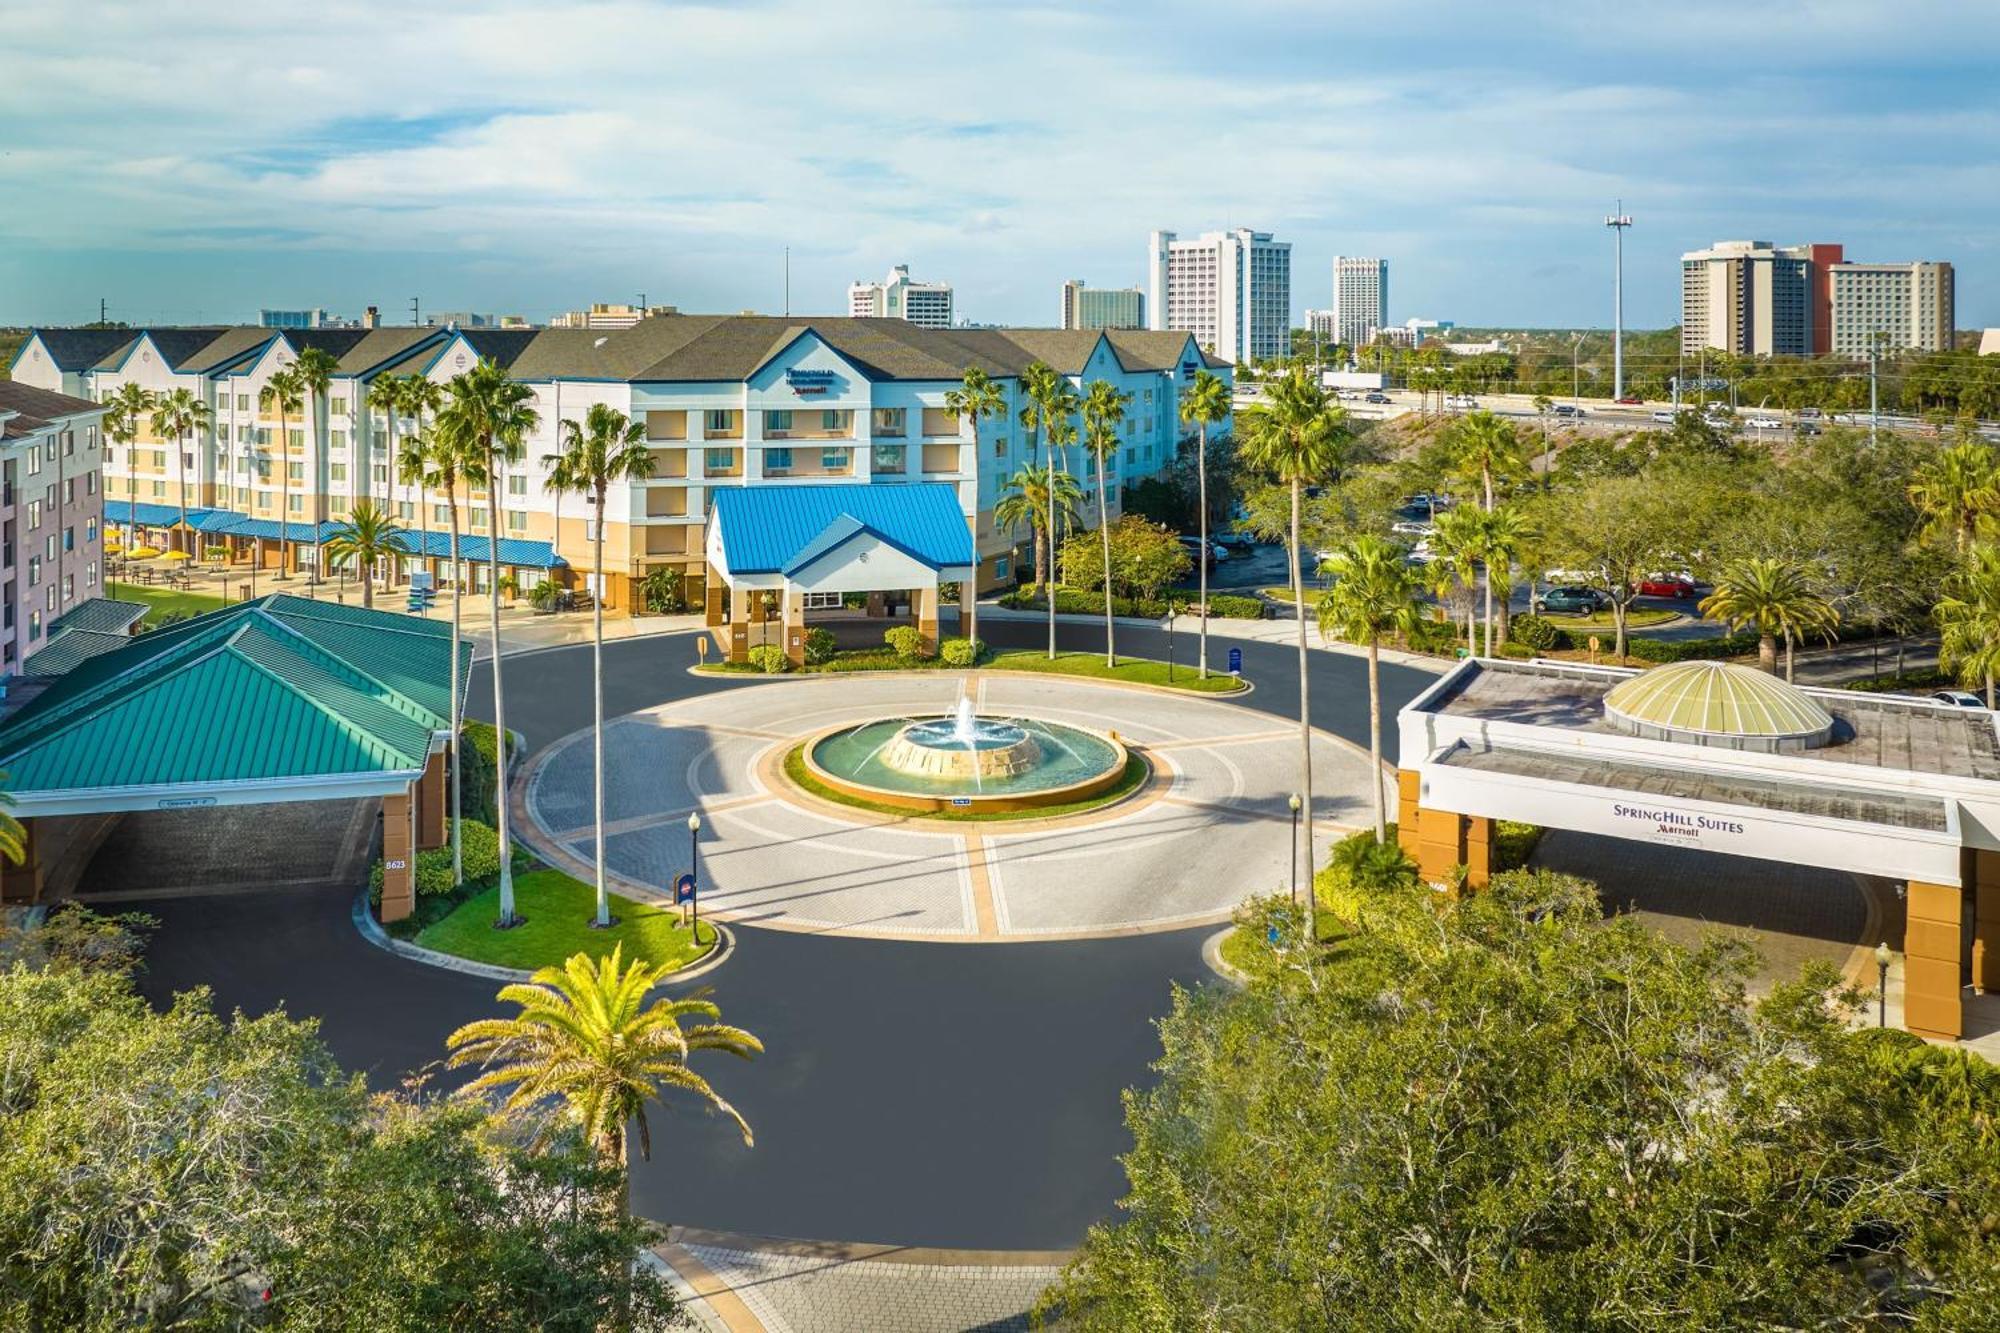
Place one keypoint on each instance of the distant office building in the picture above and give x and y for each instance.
(1895, 307)
(1360, 298)
(472, 319)
(1320, 322)
(601, 316)
(1410, 333)
(1231, 289)
(314, 318)
(1102, 307)
(926, 304)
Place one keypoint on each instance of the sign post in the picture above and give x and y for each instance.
(1236, 662)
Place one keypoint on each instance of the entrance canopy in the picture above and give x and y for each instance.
(280, 699)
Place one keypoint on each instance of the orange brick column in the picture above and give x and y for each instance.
(795, 626)
(1406, 811)
(1440, 844)
(1931, 948)
(739, 624)
(23, 883)
(924, 601)
(399, 856)
(432, 829)
(1478, 851)
(1985, 921)
(712, 603)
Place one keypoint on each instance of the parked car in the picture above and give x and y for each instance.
(1214, 554)
(1807, 414)
(1377, 396)
(1958, 698)
(1568, 410)
(1630, 400)
(1765, 423)
(1664, 416)
(1408, 529)
(1573, 601)
(1666, 585)
(1461, 402)
(1235, 539)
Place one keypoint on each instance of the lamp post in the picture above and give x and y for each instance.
(1173, 611)
(1295, 803)
(694, 868)
(1882, 985)
(1618, 222)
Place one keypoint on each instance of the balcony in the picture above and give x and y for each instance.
(941, 458)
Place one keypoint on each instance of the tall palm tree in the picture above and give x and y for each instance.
(413, 470)
(977, 396)
(1300, 438)
(1958, 492)
(1206, 403)
(607, 448)
(387, 393)
(368, 535)
(1771, 596)
(420, 396)
(1103, 412)
(1969, 620)
(493, 413)
(128, 405)
(284, 393)
(451, 453)
(587, 1041)
(1373, 594)
(1486, 449)
(1055, 403)
(1503, 534)
(1031, 495)
(1458, 545)
(560, 481)
(179, 416)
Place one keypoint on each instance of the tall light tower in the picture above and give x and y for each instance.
(1618, 222)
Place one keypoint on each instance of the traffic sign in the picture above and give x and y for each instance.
(1235, 661)
(684, 889)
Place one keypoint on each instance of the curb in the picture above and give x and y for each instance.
(371, 930)
(1245, 688)
(1211, 956)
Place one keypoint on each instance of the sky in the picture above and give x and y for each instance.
(196, 161)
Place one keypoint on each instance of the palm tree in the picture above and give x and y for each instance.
(419, 396)
(387, 393)
(1958, 492)
(1206, 403)
(316, 368)
(607, 448)
(493, 414)
(1300, 438)
(413, 469)
(1969, 619)
(1103, 410)
(1486, 448)
(1055, 403)
(1458, 545)
(451, 454)
(127, 406)
(283, 393)
(1502, 535)
(1032, 494)
(1373, 594)
(587, 1040)
(368, 535)
(976, 396)
(178, 416)
(1771, 596)
(561, 480)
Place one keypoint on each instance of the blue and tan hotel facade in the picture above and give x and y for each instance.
(727, 401)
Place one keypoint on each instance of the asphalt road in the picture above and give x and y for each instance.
(957, 1095)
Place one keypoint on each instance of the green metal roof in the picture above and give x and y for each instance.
(1717, 699)
(64, 648)
(104, 615)
(279, 688)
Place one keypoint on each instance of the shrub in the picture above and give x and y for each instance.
(1433, 636)
(663, 591)
(1929, 678)
(1518, 652)
(1238, 608)
(960, 652)
(1537, 634)
(1359, 867)
(1682, 650)
(1075, 601)
(479, 775)
(770, 659)
(819, 646)
(906, 642)
(482, 862)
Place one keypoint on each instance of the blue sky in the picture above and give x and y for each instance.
(194, 161)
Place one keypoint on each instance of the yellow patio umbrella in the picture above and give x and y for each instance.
(176, 555)
(113, 545)
(143, 553)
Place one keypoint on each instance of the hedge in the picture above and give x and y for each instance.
(1075, 601)
(960, 652)
(1929, 678)
(820, 645)
(478, 773)
(1683, 650)
(482, 862)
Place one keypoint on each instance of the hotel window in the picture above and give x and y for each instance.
(90, 530)
(440, 513)
(49, 597)
(833, 460)
(69, 539)
(891, 421)
(718, 421)
(824, 601)
(34, 514)
(34, 625)
(516, 521)
(718, 460)
(295, 471)
(380, 472)
(90, 574)
(517, 485)
(34, 462)
(1000, 447)
(159, 490)
(891, 457)
(49, 545)
(69, 586)
(336, 439)
(295, 438)
(830, 419)
(336, 472)
(777, 460)
(242, 402)
(34, 571)
(297, 505)
(222, 433)
(405, 510)
(337, 406)
(775, 422)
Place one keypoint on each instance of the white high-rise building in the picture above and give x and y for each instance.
(1231, 289)
(1360, 298)
(927, 304)
(1893, 307)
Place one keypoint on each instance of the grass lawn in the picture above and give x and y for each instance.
(1136, 670)
(1249, 954)
(1637, 618)
(1313, 594)
(1135, 773)
(163, 601)
(559, 909)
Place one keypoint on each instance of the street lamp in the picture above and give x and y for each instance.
(1173, 612)
(1295, 803)
(1882, 985)
(694, 867)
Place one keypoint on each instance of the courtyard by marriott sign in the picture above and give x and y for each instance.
(1677, 825)
(809, 383)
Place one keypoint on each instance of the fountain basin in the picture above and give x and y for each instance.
(933, 765)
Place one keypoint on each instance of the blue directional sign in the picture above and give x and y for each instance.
(1235, 661)
(684, 889)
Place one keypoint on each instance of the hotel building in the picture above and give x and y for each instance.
(51, 514)
(925, 304)
(727, 401)
(1360, 299)
(1102, 307)
(1231, 289)
(1752, 298)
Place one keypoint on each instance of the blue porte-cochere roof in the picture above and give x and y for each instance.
(778, 529)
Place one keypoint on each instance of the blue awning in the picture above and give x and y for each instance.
(518, 552)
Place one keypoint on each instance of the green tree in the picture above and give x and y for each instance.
(587, 1041)
(1145, 558)
(1103, 412)
(385, 393)
(606, 450)
(1302, 440)
(284, 393)
(413, 468)
(369, 535)
(1506, 1112)
(1035, 496)
(1968, 618)
(1205, 402)
(491, 414)
(1373, 594)
(1054, 405)
(1958, 493)
(315, 368)
(179, 416)
(1610, 533)
(1458, 544)
(453, 455)
(1503, 535)
(1773, 598)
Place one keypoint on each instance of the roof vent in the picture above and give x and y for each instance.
(601, 341)
(1719, 704)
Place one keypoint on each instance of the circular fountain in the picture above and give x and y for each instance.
(962, 762)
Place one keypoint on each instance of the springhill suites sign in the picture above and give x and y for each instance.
(1677, 825)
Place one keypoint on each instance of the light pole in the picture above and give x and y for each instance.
(1295, 803)
(1618, 222)
(1576, 371)
(1882, 985)
(694, 870)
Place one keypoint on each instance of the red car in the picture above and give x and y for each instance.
(1666, 585)
(1631, 400)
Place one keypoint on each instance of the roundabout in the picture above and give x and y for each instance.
(1206, 828)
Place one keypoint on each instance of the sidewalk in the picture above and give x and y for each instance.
(1282, 632)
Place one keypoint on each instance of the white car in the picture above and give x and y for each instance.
(1412, 529)
(1765, 423)
(1664, 416)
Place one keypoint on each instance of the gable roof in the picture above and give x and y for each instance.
(774, 529)
(25, 409)
(104, 615)
(76, 349)
(63, 649)
(275, 689)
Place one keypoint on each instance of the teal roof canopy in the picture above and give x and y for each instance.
(778, 529)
